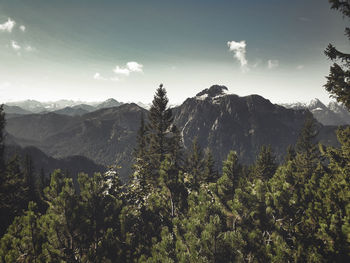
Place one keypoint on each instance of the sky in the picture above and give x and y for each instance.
(92, 50)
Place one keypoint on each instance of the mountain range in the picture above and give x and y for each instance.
(221, 122)
(332, 114)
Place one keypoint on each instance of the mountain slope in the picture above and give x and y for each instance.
(73, 165)
(105, 136)
(229, 122)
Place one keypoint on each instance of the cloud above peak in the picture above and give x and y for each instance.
(8, 25)
(239, 52)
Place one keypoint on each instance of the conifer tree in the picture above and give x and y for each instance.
(265, 165)
(290, 153)
(231, 173)
(141, 177)
(13, 193)
(62, 220)
(195, 166)
(160, 121)
(307, 152)
(211, 175)
(24, 239)
(338, 83)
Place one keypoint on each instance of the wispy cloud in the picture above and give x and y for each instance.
(239, 51)
(15, 45)
(22, 28)
(98, 76)
(300, 67)
(134, 66)
(272, 63)
(8, 25)
(130, 67)
(121, 71)
(29, 48)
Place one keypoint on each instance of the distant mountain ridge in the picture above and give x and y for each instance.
(68, 107)
(332, 114)
(220, 121)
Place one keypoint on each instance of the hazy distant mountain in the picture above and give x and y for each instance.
(15, 110)
(70, 111)
(29, 105)
(109, 104)
(105, 136)
(144, 105)
(86, 107)
(34, 106)
(222, 122)
(333, 114)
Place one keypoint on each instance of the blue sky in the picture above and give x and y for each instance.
(94, 50)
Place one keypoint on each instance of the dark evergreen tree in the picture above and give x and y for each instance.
(290, 154)
(231, 173)
(194, 166)
(13, 193)
(211, 174)
(160, 121)
(25, 239)
(307, 153)
(265, 166)
(338, 80)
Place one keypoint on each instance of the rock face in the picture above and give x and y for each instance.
(213, 91)
(229, 122)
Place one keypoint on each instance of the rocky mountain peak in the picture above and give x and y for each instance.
(213, 91)
(316, 104)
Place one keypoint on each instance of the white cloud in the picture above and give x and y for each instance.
(300, 67)
(23, 28)
(15, 45)
(121, 71)
(8, 26)
(272, 63)
(29, 48)
(131, 66)
(134, 66)
(239, 50)
(98, 76)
